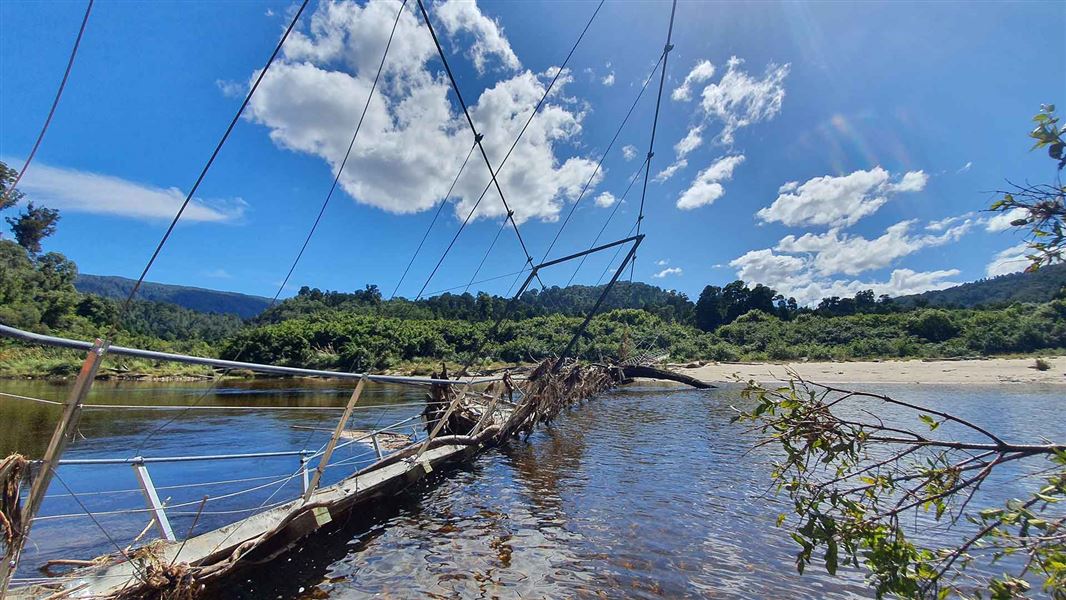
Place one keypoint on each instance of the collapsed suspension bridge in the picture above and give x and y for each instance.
(459, 417)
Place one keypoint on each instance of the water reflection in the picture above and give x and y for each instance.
(643, 492)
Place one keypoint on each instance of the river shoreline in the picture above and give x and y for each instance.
(977, 371)
(983, 371)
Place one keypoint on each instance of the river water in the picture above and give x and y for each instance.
(645, 491)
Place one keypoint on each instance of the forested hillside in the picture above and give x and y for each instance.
(361, 330)
(199, 299)
(1038, 286)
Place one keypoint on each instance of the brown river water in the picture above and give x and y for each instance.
(646, 491)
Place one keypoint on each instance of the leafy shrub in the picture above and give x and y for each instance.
(933, 325)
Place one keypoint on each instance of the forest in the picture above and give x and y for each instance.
(361, 330)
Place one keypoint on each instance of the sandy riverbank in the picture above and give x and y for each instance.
(960, 372)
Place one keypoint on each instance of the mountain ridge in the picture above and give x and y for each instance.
(1038, 286)
(200, 299)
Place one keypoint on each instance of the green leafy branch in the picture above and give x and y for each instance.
(1041, 209)
(854, 480)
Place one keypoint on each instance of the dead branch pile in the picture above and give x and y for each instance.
(13, 470)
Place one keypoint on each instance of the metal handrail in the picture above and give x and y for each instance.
(140, 460)
(49, 340)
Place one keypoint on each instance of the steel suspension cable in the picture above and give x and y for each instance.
(314, 226)
(485, 257)
(607, 221)
(599, 164)
(493, 173)
(52, 111)
(347, 154)
(654, 126)
(440, 208)
(207, 166)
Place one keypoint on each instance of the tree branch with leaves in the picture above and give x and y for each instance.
(1040, 209)
(856, 479)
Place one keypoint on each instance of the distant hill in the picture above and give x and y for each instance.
(199, 299)
(1039, 286)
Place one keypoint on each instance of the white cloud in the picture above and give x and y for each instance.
(965, 167)
(790, 276)
(629, 152)
(763, 266)
(668, 271)
(269, 13)
(1001, 221)
(413, 138)
(706, 188)
(703, 71)
(608, 80)
(690, 142)
(739, 100)
(912, 181)
(1011, 260)
(83, 191)
(687, 144)
(670, 170)
(946, 222)
(463, 16)
(606, 200)
(231, 89)
(838, 201)
(850, 254)
(662, 262)
(808, 267)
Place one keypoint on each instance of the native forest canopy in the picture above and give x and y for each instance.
(361, 330)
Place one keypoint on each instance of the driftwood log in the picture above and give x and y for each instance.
(650, 372)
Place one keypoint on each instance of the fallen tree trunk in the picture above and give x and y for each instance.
(648, 372)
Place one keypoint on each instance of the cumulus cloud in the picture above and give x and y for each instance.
(790, 276)
(413, 139)
(1001, 221)
(707, 187)
(912, 181)
(687, 144)
(809, 267)
(629, 151)
(457, 16)
(83, 191)
(763, 266)
(668, 271)
(703, 71)
(662, 262)
(838, 201)
(608, 79)
(834, 252)
(1011, 260)
(671, 170)
(606, 200)
(690, 142)
(739, 100)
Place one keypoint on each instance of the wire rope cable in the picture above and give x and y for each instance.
(51, 111)
(654, 126)
(321, 211)
(493, 181)
(603, 157)
(432, 222)
(207, 166)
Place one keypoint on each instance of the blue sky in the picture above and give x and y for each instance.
(820, 148)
